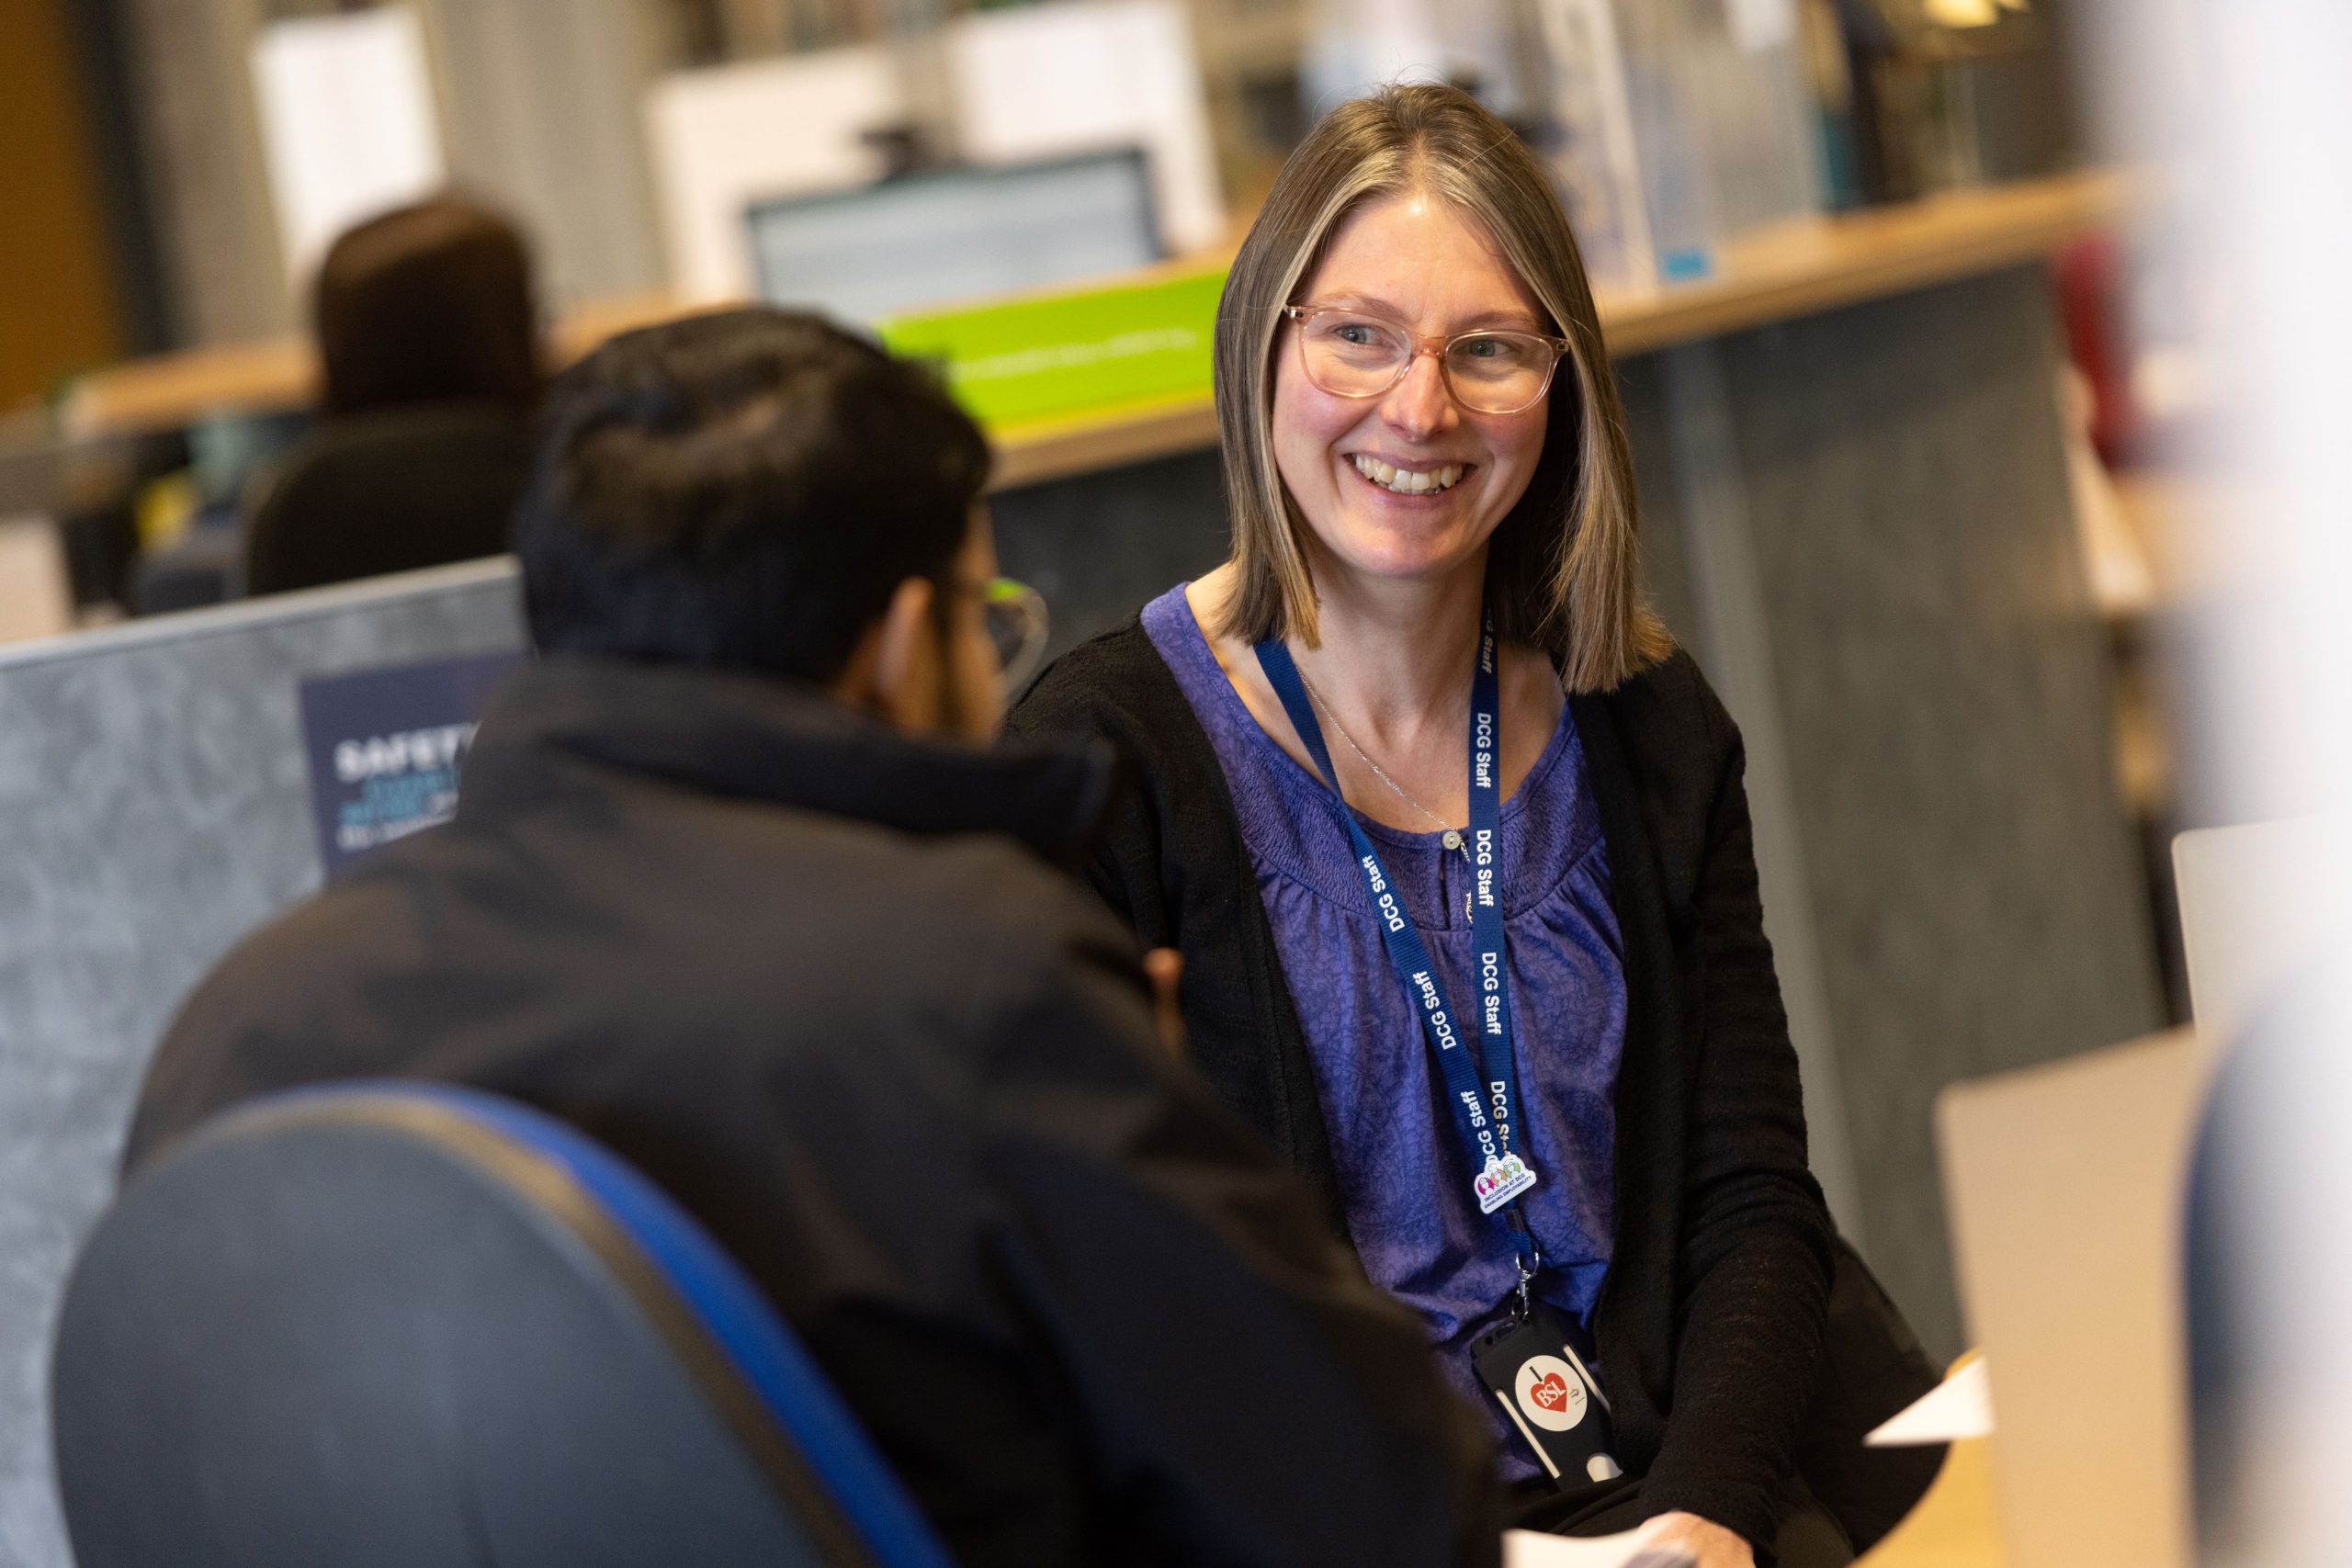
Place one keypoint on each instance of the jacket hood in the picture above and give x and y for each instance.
(756, 738)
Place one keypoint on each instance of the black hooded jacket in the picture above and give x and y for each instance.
(824, 983)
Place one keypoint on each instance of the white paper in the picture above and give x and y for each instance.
(1960, 1406)
(1526, 1549)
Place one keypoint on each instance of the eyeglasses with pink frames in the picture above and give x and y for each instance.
(1351, 352)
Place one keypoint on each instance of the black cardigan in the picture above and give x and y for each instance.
(1711, 1320)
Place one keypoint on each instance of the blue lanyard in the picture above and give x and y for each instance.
(1483, 1092)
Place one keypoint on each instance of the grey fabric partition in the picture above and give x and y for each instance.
(155, 807)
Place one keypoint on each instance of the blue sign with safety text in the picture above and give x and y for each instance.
(387, 747)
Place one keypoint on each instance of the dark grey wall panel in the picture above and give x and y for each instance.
(1944, 708)
(1099, 546)
(155, 807)
(1665, 564)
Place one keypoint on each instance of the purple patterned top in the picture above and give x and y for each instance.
(1401, 1177)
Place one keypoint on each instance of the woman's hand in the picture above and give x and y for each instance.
(1709, 1544)
(1165, 966)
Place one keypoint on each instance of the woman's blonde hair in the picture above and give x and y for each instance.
(1561, 565)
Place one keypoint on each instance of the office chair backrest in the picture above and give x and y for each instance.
(393, 489)
(402, 1325)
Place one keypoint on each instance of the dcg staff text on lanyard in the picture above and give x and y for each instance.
(1483, 1092)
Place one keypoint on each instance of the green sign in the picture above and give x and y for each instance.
(1072, 353)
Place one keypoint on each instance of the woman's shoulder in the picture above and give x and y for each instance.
(1105, 665)
(1664, 757)
(1668, 718)
(1115, 684)
(1172, 804)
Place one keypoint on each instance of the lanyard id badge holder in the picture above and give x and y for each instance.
(1533, 1371)
(1563, 1414)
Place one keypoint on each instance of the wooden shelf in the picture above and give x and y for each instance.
(170, 389)
(1802, 269)
(1052, 449)
(1778, 273)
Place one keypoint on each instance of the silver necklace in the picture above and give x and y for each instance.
(1452, 835)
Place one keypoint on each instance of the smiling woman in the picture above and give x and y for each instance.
(1370, 420)
(1421, 192)
(1454, 847)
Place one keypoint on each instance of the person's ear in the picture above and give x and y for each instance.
(905, 674)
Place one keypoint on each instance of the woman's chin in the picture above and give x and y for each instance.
(1386, 551)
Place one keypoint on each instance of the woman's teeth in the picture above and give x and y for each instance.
(1403, 481)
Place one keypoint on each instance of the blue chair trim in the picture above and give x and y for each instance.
(754, 1340)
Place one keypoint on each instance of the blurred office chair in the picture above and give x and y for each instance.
(392, 490)
(388, 1324)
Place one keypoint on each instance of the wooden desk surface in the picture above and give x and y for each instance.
(1955, 1525)
(1773, 275)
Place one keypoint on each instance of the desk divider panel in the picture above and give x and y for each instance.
(154, 808)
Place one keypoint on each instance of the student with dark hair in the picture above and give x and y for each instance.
(428, 303)
(729, 889)
(687, 445)
(430, 367)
